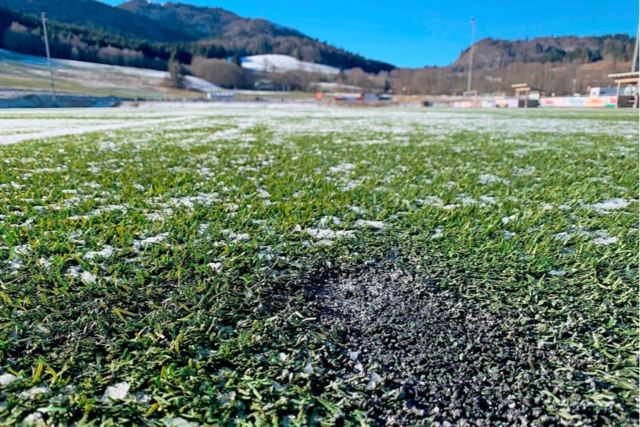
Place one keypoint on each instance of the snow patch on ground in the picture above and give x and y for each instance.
(283, 63)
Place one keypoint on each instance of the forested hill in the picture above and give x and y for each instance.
(98, 15)
(206, 22)
(188, 30)
(494, 53)
(246, 36)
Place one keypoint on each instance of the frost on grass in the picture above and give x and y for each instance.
(115, 392)
(610, 205)
(105, 252)
(341, 168)
(603, 238)
(6, 379)
(181, 223)
(178, 422)
(378, 225)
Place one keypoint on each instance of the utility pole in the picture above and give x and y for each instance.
(635, 51)
(46, 45)
(473, 34)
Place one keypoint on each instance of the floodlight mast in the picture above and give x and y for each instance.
(46, 45)
(635, 51)
(473, 35)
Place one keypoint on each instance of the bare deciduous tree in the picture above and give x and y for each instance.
(220, 72)
(175, 79)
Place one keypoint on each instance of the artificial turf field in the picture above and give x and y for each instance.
(309, 266)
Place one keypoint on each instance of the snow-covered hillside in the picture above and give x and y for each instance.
(91, 75)
(283, 63)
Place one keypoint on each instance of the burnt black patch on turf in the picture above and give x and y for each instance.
(426, 355)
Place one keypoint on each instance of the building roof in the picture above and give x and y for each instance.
(525, 86)
(619, 76)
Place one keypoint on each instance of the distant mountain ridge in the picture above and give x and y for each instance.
(247, 36)
(206, 22)
(101, 16)
(495, 53)
(185, 23)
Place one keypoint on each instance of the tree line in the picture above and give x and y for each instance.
(23, 34)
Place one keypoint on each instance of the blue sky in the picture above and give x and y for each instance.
(417, 33)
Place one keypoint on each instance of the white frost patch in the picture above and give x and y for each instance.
(430, 201)
(379, 225)
(263, 193)
(85, 276)
(34, 419)
(603, 238)
(327, 233)
(610, 205)
(227, 398)
(438, 233)
(73, 271)
(44, 262)
(179, 422)
(489, 199)
(329, 219)
(507, 219)
(22, 249)
(374, 380)
(217, 266)
(562, 237)
(150, 240)
(508, 234)
(244, 237)
(487, 178)
(15, 264)
(115, 392)
(34, 391)
(6, 379)
(344, 167)
(88, 277)
(356, 209)
(106, 252)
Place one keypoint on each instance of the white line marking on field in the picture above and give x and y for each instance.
(13, 139)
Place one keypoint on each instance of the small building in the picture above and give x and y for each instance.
(527, 95)
(347, 97)
(221, 95)
(603, 91)
(627, 88)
